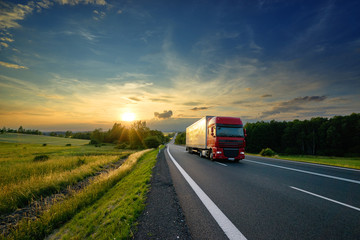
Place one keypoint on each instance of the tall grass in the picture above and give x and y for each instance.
(114, 215)
(23, 179)
(61, 212)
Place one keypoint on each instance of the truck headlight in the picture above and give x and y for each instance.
(242, 153)
(218, 152)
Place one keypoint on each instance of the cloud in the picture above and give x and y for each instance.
(6, 39)
(266, 95)
(4, 44)
(293, 105)
(160, 100)
(191, 103)
(99, 15)
(76, 2)
(164, 115)
(135, 99)
(10, 14)
(11, 65)
(199, 108)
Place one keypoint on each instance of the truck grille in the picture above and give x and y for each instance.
(230, 143)
(231, 152)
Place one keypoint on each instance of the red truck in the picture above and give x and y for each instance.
(217, 138)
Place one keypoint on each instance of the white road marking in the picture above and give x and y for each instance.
(308, 172)
(222, 164)
(313, 164)
(225, 224)
(329, 199)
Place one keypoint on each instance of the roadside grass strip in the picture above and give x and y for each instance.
(114, 215)
(63, 211)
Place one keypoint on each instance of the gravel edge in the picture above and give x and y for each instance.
(163, 217)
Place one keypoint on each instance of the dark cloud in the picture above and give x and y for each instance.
(134, 99)
(199, 108)
(266, 95)
(293, 105)
(239, 102)
(309, 99)
(164, 115)
(191, 103)
(159, 100)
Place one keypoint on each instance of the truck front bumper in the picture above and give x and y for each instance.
(229, 153)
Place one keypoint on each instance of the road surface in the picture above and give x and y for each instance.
(261, 198)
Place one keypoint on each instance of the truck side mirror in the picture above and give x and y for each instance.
(245, 132)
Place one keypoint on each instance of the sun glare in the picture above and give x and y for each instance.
(128, 116)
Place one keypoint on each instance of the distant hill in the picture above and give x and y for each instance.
(40, 139)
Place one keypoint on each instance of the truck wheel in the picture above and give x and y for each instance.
(211, 156)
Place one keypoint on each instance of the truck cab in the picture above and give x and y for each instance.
(226, 138)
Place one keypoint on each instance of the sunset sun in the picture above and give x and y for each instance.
(128, 116)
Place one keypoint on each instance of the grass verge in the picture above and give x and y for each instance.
(63, 211)
(114, 215)
(347, 162)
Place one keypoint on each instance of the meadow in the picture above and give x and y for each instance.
(30, 172)
(40, 139)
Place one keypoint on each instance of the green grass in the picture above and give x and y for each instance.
(114, 215)
(23, 179)
(40, 139)
(105, 209)
(348, 162)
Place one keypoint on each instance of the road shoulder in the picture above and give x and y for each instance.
(163, 217)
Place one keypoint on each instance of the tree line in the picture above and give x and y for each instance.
(337, 136)
(136, 136)
(20, 130)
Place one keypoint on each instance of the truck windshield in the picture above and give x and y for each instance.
(229, 131)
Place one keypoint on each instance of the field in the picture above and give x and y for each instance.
(40, 139)
(43, 187)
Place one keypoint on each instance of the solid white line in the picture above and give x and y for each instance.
(222, 164)
(329, 199)
(225, 224)
(308, 172)
(312, 164)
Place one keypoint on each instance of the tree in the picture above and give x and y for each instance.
(21, 130)
(68, 134)
(152, 141)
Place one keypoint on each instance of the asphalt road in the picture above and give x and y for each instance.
(262, 198)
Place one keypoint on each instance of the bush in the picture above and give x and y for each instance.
(152, 142)
(122, 146)
(80, 161)
(68, 145)
(267, 152)
(181, 138)
(41, 158)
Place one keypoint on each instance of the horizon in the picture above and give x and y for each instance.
(80, 65)
(153, 126)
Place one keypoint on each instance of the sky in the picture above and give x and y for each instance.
(81, 64)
